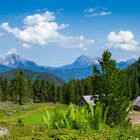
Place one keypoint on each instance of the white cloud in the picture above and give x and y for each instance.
(99, 11)
(123, 40)
(12, 51)
(26, 46)
(41, 29)
(38, 18)
(104, 13)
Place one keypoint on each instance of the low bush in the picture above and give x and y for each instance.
(82, 118)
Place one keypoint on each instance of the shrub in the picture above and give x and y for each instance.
(82, 118)
(20, 123)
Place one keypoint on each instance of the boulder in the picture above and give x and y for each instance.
(4, 132)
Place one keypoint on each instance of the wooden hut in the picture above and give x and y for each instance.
(87, 99)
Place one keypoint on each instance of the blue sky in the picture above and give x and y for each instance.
(52, 32)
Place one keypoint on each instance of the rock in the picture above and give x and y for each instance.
(4, 132)
(8, 114)
(3, 107)
(23, 108)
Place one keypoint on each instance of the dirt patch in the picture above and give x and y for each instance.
(134, 117)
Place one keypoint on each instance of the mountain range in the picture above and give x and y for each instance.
(80, 68)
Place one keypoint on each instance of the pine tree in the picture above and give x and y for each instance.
(114, 91)
(133, 79)
(0, 93)
(71, 92)
(97, 83)
(4, 86)
(22, 87)
(88, 87)
(37, 90)
(60, 94)
(54, 93)
(65, 94)
(12, 91)
(43, 91)
(79, 90)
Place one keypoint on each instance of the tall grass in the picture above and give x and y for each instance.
(79, 118)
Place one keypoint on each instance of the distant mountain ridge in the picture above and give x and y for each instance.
(15, 61)
(82, 67)
(82, 62)
(125, 64)
(34, 75)
(79, 69)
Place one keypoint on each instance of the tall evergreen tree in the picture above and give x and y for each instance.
(88, 90)
(4, 86)
(114, 89)
(71, 91)
(22, 87)
(0, 93)
(53, 93)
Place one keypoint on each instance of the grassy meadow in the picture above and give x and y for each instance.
(29, 113)
(33, 127)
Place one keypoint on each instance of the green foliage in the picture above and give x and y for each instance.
(20, 122)
(21, 88)
(35, 128)
(39, 132)
(82, 118)
(111, 86)
(133, 79)
(4, 89)
(0, 93)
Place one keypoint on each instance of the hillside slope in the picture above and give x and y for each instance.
(33, 75)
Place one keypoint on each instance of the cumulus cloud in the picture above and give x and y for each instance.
(99, 11)
(123, 40)
(12, 51)
(41, 29)
(38, 18)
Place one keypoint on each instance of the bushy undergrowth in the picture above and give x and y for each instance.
(39, 132)
(78, 118)
(69, 123)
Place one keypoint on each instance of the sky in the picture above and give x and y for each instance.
(56, 32)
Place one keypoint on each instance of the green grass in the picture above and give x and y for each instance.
(34, 127)
(33, 113)
(39, 132)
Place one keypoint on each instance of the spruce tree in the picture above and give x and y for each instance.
(54, 93)
(88, 87)
(71, 91)
(0, 93)
(4, 86)
(37, 90)
(114, 91)
(22, 87)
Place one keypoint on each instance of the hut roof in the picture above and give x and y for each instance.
(89, 99)
(137, 102)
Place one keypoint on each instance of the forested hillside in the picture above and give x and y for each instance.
(133, 75)
(32, 75)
